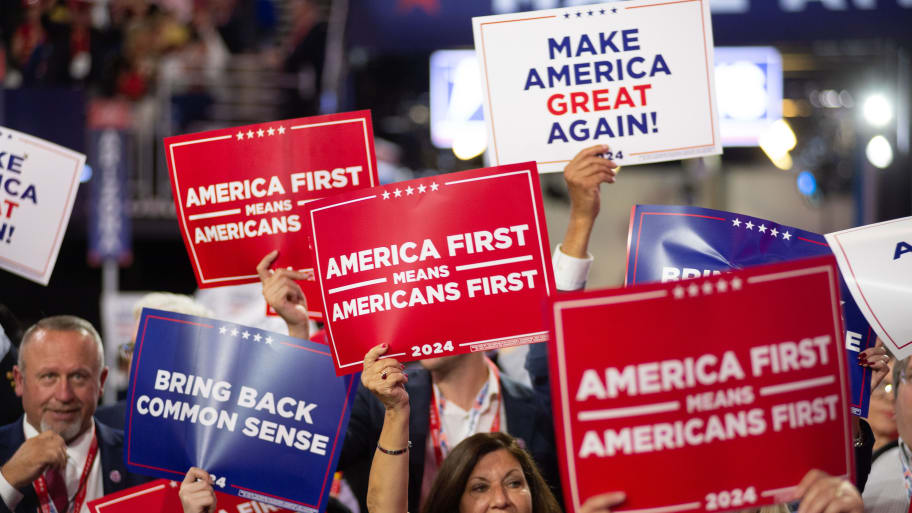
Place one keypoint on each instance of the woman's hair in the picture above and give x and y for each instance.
(450, 483)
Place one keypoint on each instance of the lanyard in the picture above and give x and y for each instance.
(44, 497)
(438, 403)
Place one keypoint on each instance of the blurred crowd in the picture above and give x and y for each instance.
(128, 48)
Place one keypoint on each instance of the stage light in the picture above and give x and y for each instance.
(776, 142)
(86, 173)
(877, 110)
(879, 152)
(806, 183)
(470, 142)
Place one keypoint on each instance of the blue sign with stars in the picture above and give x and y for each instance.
(263, 413)
(670, 243)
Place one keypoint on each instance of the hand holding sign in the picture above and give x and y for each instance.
(284, 294)
(584, 175)
(386, 379)
(196, 492)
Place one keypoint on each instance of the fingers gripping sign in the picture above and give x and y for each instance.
(284, 294)
(385, 378)
(196, 492)
(584, 176)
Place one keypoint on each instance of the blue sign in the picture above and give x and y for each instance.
(264, 413)
(109, 223)
(670, 243)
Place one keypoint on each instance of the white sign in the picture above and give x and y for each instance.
(636, 75)
(38, 182)
(876, 263)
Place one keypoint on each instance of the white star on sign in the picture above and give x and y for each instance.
(386, 195)
(721, 285)
(707, 287)
(434, 186)
(775, 233)
(223, 330)
(269, 341)
(240, 135)
(678, 292)
(260, 133)
(693, 290)
(250, 134)
(749, 225)
(257, 337)
(422, 188)
(409, 190)
(736, 222)
(281, 130)
(786, 235)
(246, 335)
(397, 193)
(234, 332)
(271, 131)
(736, 283)
(173, 484)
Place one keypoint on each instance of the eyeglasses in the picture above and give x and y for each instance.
(883, 391)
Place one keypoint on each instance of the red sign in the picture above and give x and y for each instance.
(437, 266)
(161, 496)
(709, 394)
(240, 192)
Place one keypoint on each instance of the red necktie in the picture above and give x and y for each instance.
(57, 489)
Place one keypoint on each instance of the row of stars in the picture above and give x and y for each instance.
(244, 334)
(260, 133)
(579, 14)
(693, 290)
(397, 193)
(762, 229)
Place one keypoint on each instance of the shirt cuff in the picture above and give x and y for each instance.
(11, 496)
(570, 273)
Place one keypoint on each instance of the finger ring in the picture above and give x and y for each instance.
(383, 375)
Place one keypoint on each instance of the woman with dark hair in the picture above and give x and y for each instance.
(483, 472)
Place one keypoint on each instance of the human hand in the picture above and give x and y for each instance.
(820, 492)
(284, 294)
(584, 174)
(196, 492)
(877, 359)
(385, 378)
(602, 503)
(35, 456)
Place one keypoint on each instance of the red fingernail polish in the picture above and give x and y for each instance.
(385, 346)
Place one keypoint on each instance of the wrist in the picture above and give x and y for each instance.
(299, 329)
(576, 240)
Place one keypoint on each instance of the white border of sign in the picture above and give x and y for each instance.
(43, 275)
(180, 202)
(569, 450)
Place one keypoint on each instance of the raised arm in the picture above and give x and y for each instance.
(387, 489)
(284, 295)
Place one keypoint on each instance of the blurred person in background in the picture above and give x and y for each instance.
(10, 335)
(114, 414)
(889, 487)
(882, 416)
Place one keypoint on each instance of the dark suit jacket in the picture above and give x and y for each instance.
(113, 415)
(527, 420)
(110, 450)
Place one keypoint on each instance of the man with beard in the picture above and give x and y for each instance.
(57, 457)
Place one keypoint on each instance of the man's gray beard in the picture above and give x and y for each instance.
(68, 432)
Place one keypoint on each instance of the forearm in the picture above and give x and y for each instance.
(576, 240)
(298, 330)
(387, 490)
